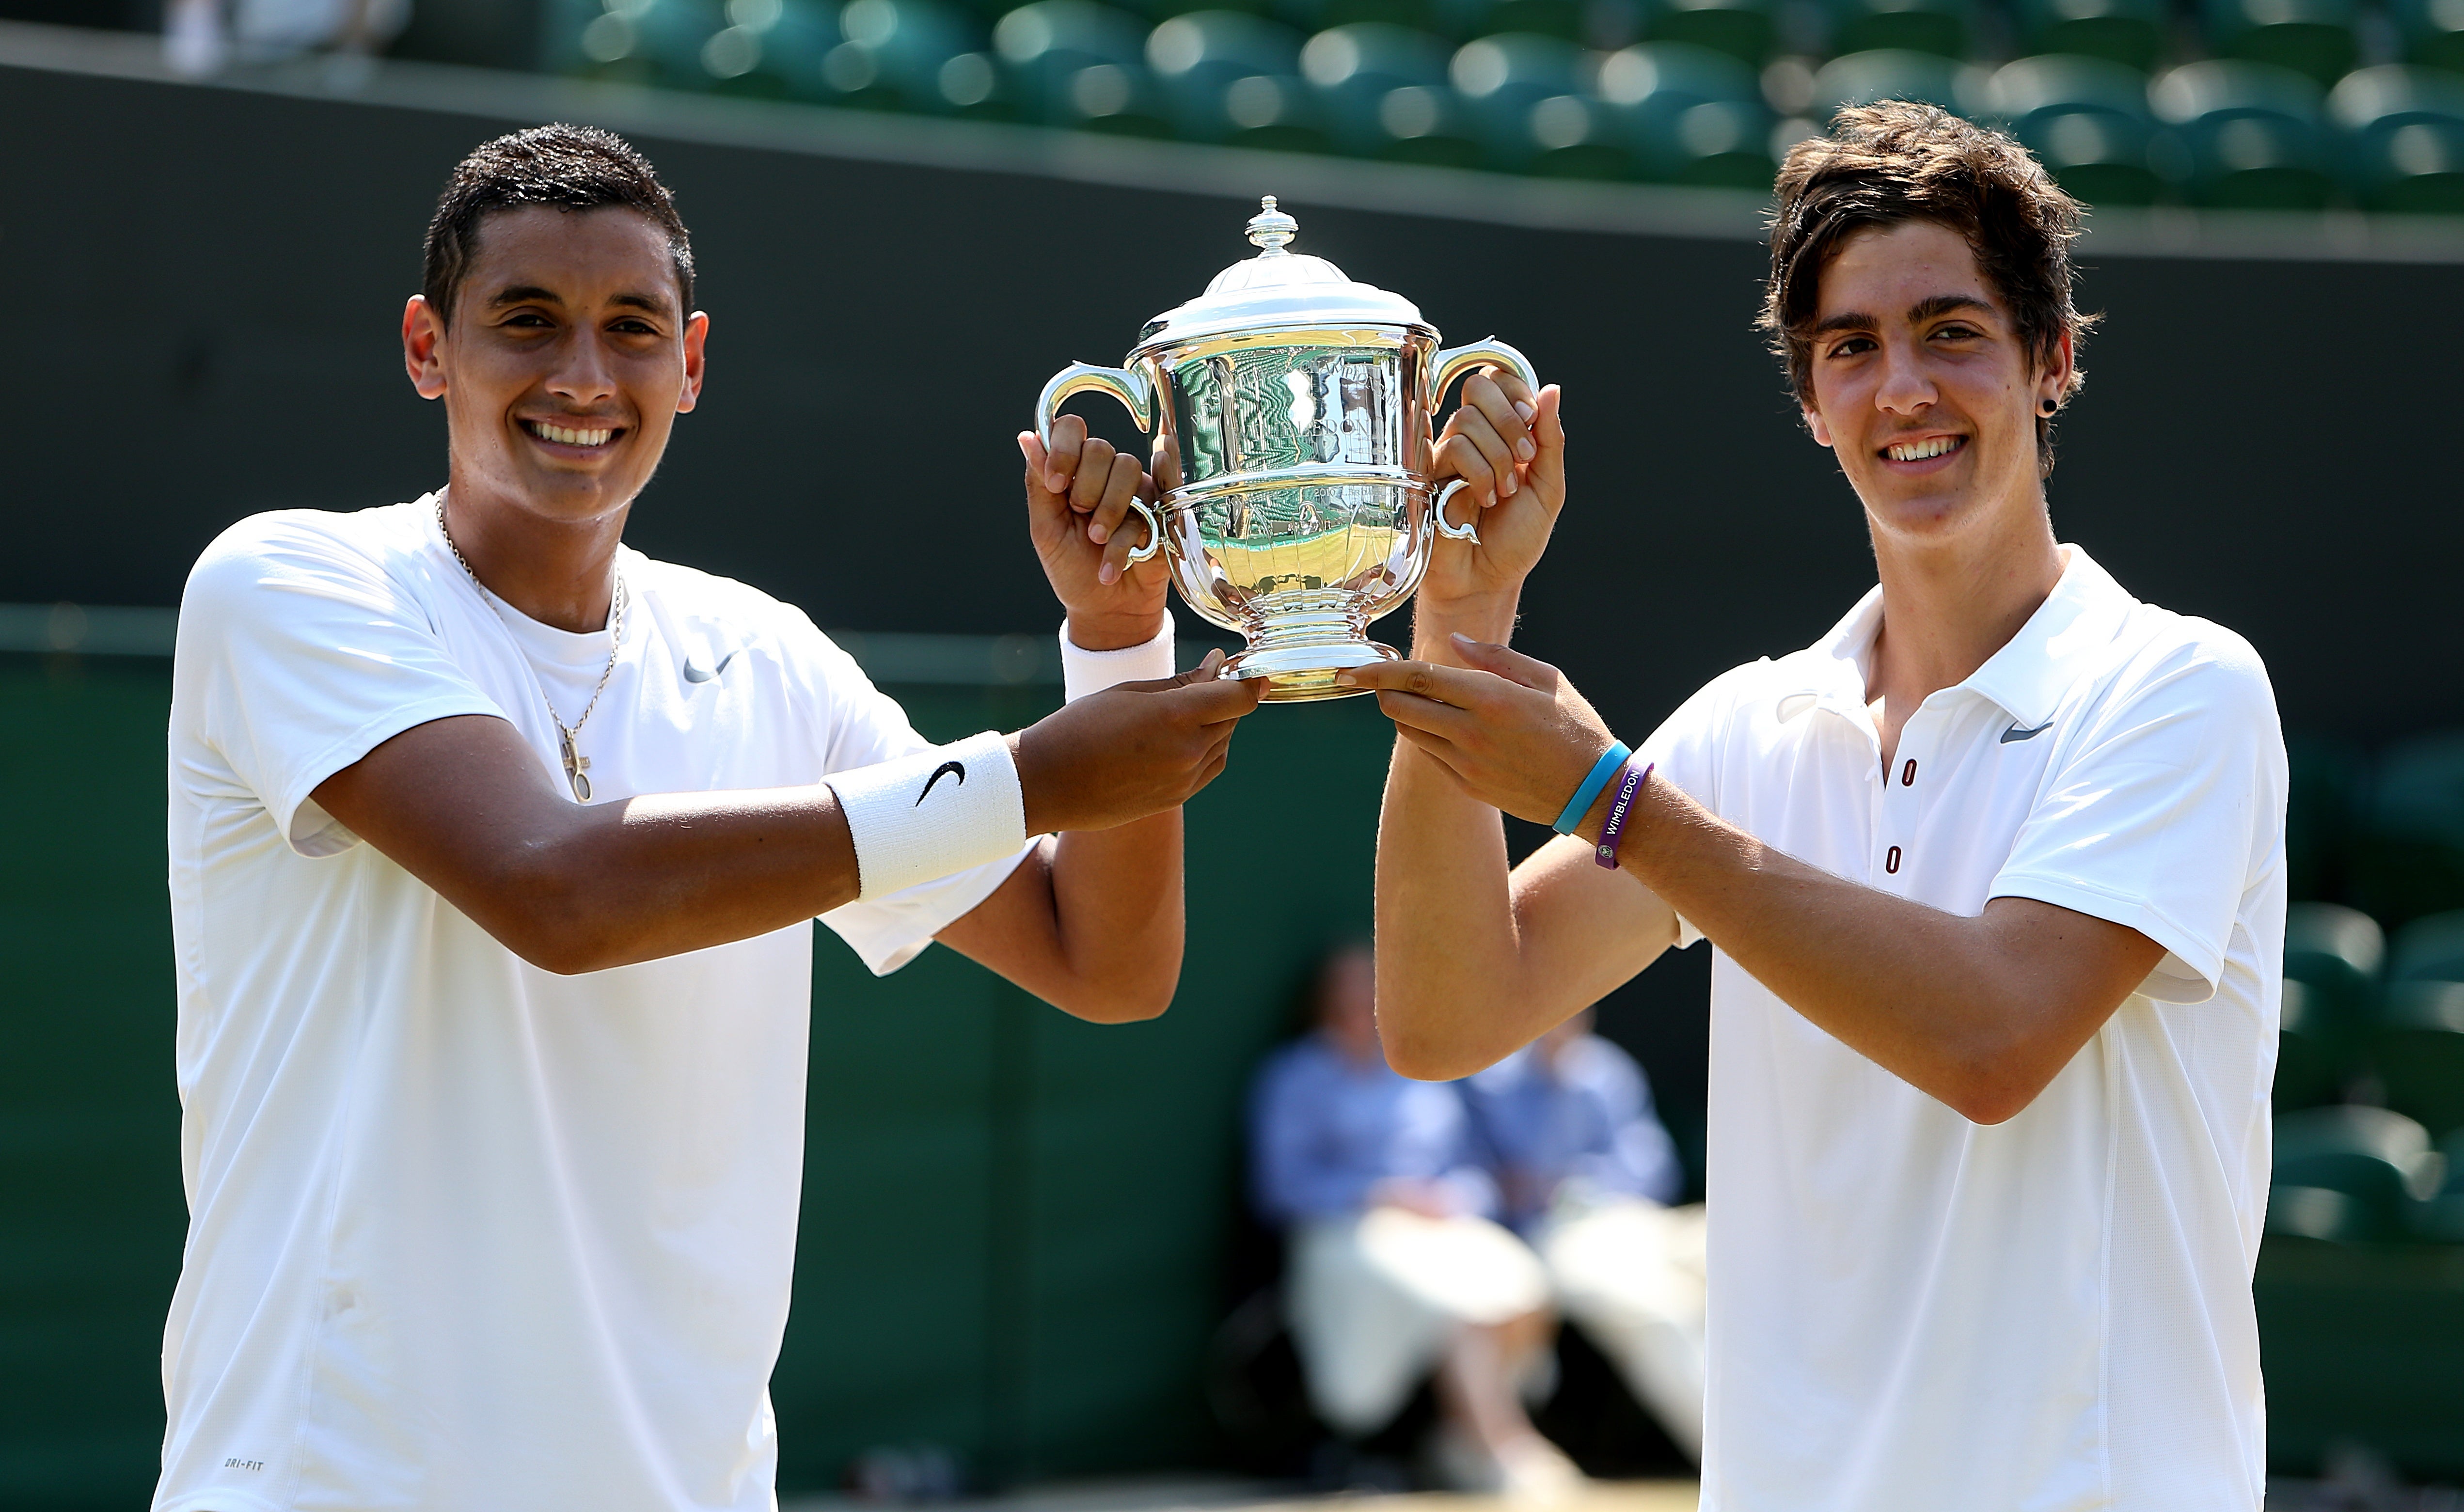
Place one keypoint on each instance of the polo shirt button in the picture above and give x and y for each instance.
(1891, 862)
(1908, 773)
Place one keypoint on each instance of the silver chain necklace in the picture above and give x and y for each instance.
(577, 766)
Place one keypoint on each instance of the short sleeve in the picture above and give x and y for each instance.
(2163, 812)
(865, 727)
(303, 654)
(1685, 750)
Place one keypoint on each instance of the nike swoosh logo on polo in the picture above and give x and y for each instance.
(695, 673)
(945, 769)
(2015, 733)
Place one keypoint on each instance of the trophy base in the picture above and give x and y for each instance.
(1304, 673)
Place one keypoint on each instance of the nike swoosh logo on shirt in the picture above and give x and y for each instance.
(945, 769)
(2015, 733)
(695, 673)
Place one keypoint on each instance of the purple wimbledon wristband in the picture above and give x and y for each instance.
(1628, 785)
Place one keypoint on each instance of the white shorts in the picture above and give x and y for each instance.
(1630, 1273)
(1375, 1301)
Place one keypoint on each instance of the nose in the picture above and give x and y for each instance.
(584, 375)
(1905, 388)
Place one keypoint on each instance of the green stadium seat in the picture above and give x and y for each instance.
(2404, 138)
(882, 54)
(2408, 858)
(2323, 1214)
(2442, 1216)
(633, 42)
(2433, 32)
(772, 48)
(2417, 1048)
(2253, 134)
(2313, 1053)
(1862, 78)
(2086, 120)
(2126, 32)
(1234, 77)
(1944, 28)
(1077, 63)
(2338, 954)
(2313, 37)
(1526, 90)
(2378, 1157)
(1385, 95)
(1694, 115)
(1746, 29)
(2429, 949)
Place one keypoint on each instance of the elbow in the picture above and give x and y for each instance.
(1426, 1059)
(1123, 1003)
(1994, 1089)
(541, 915)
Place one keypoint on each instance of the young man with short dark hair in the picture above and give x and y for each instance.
(493, 850)
(1995, 872)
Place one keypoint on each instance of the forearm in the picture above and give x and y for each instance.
(1091, 923)
(1979, 1010)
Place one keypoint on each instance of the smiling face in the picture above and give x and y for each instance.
(1921, 384)
(566, 361)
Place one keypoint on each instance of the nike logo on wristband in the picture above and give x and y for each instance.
(945, 769)
(2015, 733)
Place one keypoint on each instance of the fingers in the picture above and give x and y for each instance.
(1473, 428)
(1458, 457)
(1093, 474)
(1547, 475)
(1060, 459)
(1125, 484)
(1512, 664)
(1460, 687)
(1508, 413)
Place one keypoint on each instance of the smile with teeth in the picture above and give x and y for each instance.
(567, 436)
(1921, 450)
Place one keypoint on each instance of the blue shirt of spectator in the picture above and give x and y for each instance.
(1572, 1114)
(1334, 1134)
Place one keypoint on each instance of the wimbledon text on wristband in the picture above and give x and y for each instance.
(1084, 671)
(1614, 829)
(920, 818)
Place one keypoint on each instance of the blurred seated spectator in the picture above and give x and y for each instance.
(1587, 1171)
(1396, 1268)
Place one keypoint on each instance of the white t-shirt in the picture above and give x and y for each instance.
(1913, 1313)
(465, 1234)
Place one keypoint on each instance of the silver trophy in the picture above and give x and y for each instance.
(1292, 444)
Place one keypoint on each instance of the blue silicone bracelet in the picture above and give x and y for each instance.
(1580, 803)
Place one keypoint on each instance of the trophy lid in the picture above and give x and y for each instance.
(1279, 288)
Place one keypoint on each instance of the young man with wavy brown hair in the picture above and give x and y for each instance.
(1993, 873)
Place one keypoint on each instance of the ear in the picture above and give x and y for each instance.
(422, 338)
(1815, 423)
(2053, 378)
(696, 339)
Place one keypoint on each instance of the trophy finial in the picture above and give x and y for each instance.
(1270, 228)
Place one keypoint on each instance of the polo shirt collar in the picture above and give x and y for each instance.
(2027, 677)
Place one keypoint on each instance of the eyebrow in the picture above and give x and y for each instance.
(533, 294)
(1924, 309)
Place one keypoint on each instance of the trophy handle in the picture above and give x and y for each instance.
(1450, 365)
(1130, 387)
(1438, 514)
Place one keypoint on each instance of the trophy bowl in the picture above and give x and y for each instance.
(1290, 412)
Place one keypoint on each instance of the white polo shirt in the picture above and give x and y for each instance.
(1913, 1313)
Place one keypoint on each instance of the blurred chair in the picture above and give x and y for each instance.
(1507, 80)
(2313, 37)
(2429, 949)
(2404, 137)
(2320, 1214)
(1862, 78)
(886, 55)
(2338, 952)
(1234, 77)
(1693, 114)
(1941, 27)
(1077, 63)
(2253, 134)
(634, 41)
(2442, 1216)
(2379, 1159)
(2432, 31)
(2417, 1048)
(1558, 18)
(2086, 120)
(772, 48)
(2408, 858)
(1385, 94)
(2126, 32)
(1746, 29)
(2312, 1052)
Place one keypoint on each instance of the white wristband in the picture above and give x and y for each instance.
(1084, 671)
(924, 817)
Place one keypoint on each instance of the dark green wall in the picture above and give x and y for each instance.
(1014, 1222)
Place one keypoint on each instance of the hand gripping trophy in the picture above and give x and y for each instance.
(1291, 410)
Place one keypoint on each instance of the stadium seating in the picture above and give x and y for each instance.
(888, 55)
(2409, 857)
(2126, 32)
(2338, 954)
(2312, 37)
(1941, 27)
(1384, 92)
(2417, 1048)
(1527, 93)
(2433, 32)
(2404, 136)
(2313, 1056)
(1077, 63)
(1234, 77)
(1692, 115)
(1746, 29)
(2254, 135)
(2379, 1159)
(2086, 120)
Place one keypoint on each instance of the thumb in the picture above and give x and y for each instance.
(1512, 666)
(1203, 672)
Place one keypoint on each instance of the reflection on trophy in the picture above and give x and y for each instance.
(1292, 409)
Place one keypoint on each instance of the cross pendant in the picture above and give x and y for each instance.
(576, 764)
